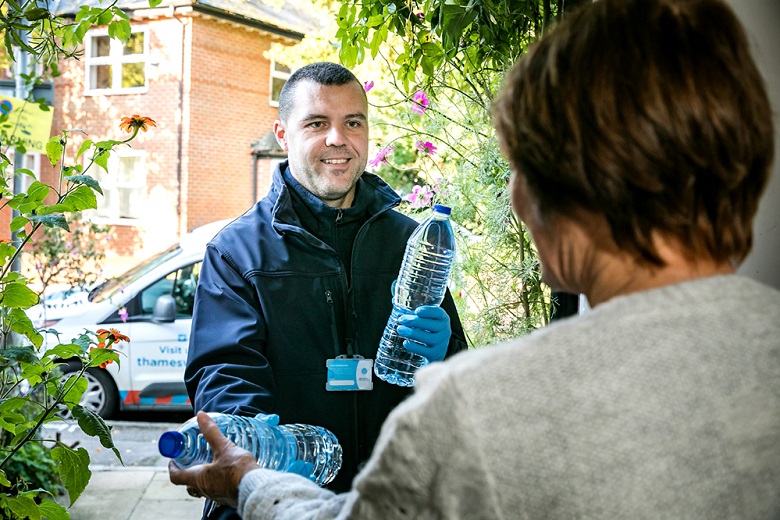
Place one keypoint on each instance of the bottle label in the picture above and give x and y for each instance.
(349, 373)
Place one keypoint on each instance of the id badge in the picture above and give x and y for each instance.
(349, 373)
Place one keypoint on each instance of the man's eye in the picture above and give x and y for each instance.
(316, 124)
(353, 124)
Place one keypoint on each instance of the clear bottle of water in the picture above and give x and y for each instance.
(422, 280)
(275, 447)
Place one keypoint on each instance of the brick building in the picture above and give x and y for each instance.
(198, 69)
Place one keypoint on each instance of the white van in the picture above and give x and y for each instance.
(158, 296)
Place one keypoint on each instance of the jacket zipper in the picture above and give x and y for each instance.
(333, 328)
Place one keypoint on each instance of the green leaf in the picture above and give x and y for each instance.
(98, 356)
(81, 198)
(119, 29)
(73, 468)
(94, 426)
(54, 220)
(26, 171)
(18, 223)
(38, 191)
(23, 506)
(51, 510)
(101, 159)
(33, 14)
(24, 354)
(10, 420)
(54, 149)
(17, 295)
(154, 3)
(7, 250)
(86, 145)
(3, 479)
(21, 324)
(65, 351)
(375, 20)
(76, 387)
(54, 208)
(88, 180)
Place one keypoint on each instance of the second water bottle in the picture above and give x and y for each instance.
(422, 280)
(274, 447)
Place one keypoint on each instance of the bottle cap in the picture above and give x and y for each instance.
(171, 444)
(442, 209)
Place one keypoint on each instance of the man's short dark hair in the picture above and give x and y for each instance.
(322, 73)
(650, 113)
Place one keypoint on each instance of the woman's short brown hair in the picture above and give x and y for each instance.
(651, 113)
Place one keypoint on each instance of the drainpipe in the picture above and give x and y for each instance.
(184, 21)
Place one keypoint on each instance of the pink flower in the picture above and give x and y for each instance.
(123, 314)
(420, 197)
(421, 16)
(368, 85)
(420, 102)
(381, 157)
(426, 147)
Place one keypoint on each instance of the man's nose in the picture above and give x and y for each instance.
(335, 137)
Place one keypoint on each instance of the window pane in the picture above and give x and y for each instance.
(134, 44)
(129, 167)
(276, 88)
(131, 202)
(154, 291)
(101, 46)
(281, 68)
(133, 75)
(100, 76)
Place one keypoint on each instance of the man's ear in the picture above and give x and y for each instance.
(280, 132)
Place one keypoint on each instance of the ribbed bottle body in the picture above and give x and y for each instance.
(422, 280)
(274, 447)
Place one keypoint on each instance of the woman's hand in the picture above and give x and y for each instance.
(219, 479)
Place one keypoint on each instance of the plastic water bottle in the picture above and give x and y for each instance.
(422, 280)
(275, 447)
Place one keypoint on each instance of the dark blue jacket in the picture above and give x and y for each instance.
(274, 302)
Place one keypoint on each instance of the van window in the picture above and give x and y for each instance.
(180, 284)
(114, 285)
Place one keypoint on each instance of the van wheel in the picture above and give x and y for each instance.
(101, 395)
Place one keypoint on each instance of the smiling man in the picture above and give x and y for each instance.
(304, 277)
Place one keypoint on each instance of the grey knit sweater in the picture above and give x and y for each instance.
(659, 404)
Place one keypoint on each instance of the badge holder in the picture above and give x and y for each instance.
(349, 373)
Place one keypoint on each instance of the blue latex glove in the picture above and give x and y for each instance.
(429, 329)
(269, 419)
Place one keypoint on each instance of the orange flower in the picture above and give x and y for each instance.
(112, 335)
(135, 123)
(118, 336)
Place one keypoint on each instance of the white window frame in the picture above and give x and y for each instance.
(109, 215)
(276, 74)
(116, 59)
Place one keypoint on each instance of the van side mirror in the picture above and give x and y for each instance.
(164, 309)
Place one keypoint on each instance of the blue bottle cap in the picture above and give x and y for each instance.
(171, 444)
(442, 209)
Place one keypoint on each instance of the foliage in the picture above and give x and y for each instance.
(70, 258)
(434, 67)
(32, 389)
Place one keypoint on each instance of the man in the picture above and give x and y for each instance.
(305, 276)
(639, 180)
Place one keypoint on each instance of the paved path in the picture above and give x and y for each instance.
(139, 490)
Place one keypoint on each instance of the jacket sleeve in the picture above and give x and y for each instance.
(226, 369)
(458, 338)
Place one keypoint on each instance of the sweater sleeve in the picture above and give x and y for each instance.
(423, 466)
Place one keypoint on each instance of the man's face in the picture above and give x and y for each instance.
(326, 139)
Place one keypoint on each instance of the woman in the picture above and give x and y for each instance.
(640, 137)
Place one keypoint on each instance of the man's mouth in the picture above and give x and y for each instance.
(335, 161)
